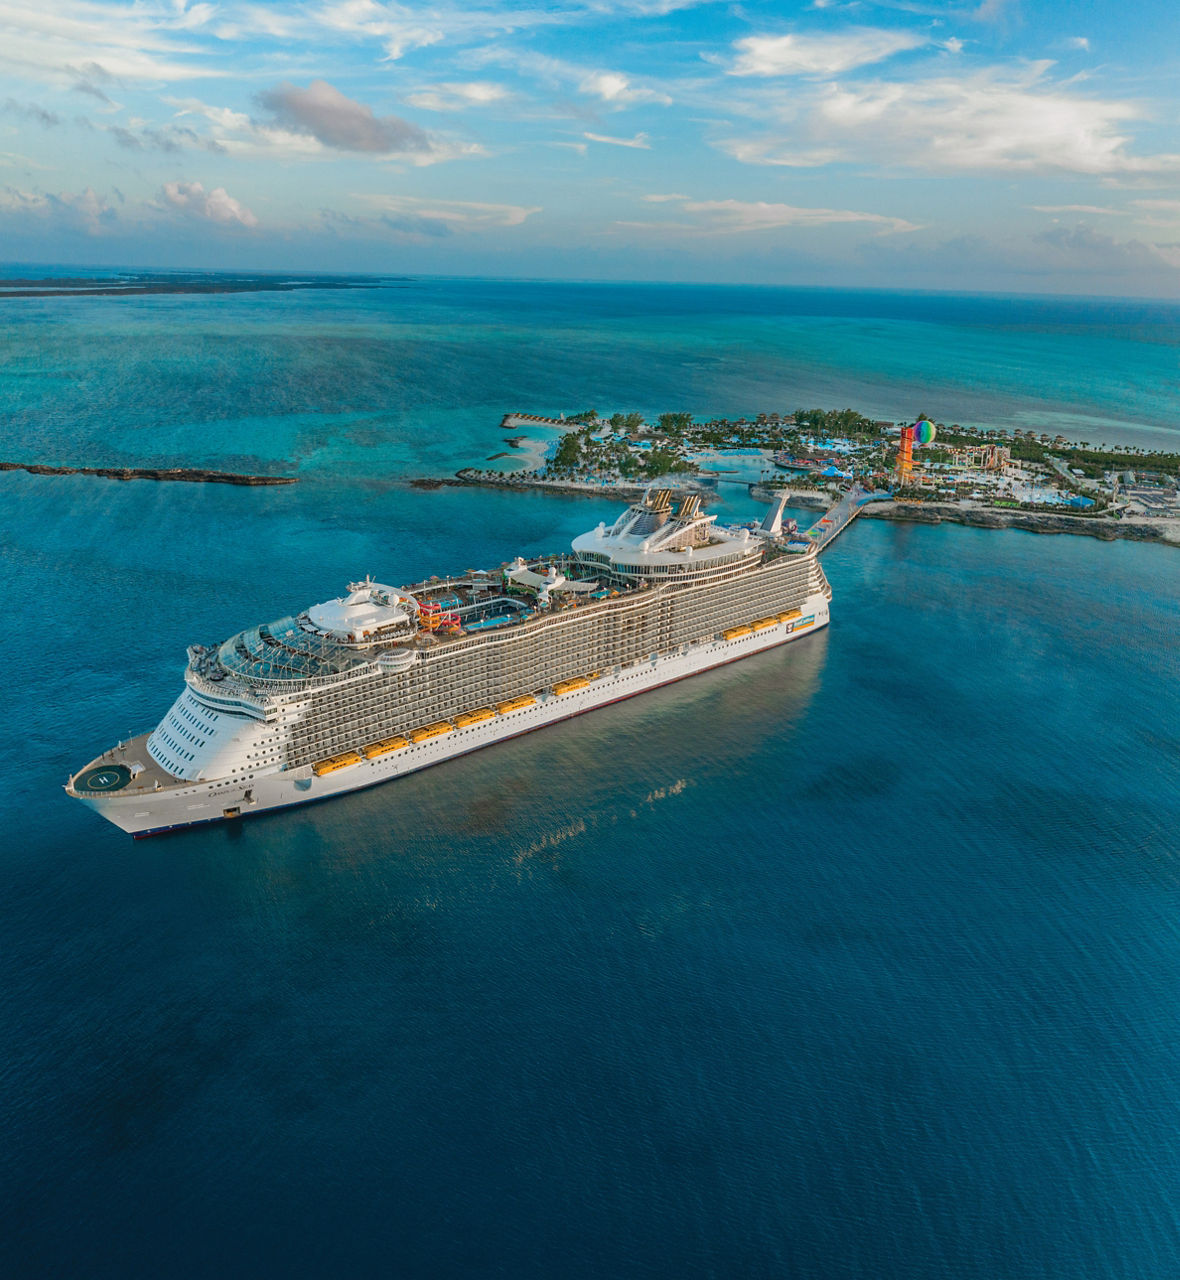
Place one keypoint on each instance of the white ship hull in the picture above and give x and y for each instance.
(150, 813)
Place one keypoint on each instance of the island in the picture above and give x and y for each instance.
(988, 478)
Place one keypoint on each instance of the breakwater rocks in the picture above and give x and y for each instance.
(190, 474)
(518, 482)
(596, 489)
(510, 420)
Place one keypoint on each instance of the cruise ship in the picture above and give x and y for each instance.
(387, 680)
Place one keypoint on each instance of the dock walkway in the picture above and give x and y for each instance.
(837, 518)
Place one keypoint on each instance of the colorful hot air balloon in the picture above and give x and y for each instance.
(923, 431)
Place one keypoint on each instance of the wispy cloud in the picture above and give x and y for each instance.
(820, 55)
(171, 139)
(323, 128)
(1078, 208)
(614, 89)
(639, 142)
(996, 120)
(31, 111)
(419, 212)
(127, 42)
(1157, 213)
(739, 217)
(456, 95)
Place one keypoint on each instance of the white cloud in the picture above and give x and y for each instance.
(617, 90)
(820, 55)
(421, 214)
(454, 95)
(666, 199)
(85, 210)
(218, 206)
(400, 28)
(399, 35)
(71, 38)
(1077, 208)
(738, 217)
(639, 142)
(1077, 42)
(996, 120)
(246, 138)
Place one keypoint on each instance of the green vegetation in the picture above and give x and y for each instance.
(837, 422)
(674, 422)
(626, 421)
(1091, 460)
(1094, 461)
(569, 452)
(662, 462)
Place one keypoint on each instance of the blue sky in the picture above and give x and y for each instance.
(1001, 145)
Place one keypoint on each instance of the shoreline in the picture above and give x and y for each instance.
(190, 475)
(977, 517)
(1162, 531)
(1029, 521)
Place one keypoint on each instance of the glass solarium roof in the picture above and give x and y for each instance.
(284, 651)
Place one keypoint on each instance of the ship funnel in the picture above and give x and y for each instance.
(690, 505)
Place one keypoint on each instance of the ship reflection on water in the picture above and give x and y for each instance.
(530, 800)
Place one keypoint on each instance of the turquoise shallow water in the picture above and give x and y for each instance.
(855, 959)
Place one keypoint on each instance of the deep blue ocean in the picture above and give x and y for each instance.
(860, 958)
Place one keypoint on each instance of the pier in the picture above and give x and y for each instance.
(837, 518)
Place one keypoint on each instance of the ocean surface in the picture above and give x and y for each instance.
(860, 958)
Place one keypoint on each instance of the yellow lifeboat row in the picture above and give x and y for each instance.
(762, 624)
(385, 746)
(429, 731)
(515, 704)
(467, 718)
(343, 761)
(464, 720)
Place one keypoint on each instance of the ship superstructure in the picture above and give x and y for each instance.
(387, 680)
